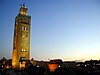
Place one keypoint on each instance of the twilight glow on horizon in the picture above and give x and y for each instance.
(65, 29)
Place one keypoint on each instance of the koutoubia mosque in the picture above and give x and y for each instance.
(21, 42)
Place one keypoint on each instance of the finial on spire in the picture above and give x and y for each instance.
(22, 5)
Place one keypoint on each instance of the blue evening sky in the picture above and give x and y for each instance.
(66, 29)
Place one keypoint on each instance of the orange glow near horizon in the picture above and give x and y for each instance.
(53, 67)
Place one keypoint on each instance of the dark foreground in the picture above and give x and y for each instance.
(33, 70)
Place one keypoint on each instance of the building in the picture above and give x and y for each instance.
(21, 43)
(69, 64)
(54, 64)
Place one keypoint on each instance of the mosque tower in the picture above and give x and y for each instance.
(21, 42)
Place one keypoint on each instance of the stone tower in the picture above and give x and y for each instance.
(21, 43)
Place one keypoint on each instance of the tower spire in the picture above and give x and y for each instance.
(23, 10)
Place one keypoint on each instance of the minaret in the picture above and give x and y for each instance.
(21, 43)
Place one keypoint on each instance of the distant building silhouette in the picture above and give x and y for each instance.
(21, 43)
